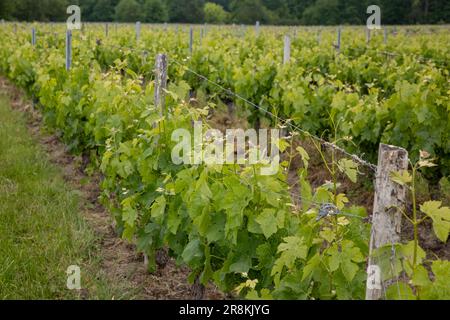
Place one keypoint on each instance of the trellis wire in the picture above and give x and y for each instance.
(284, 121)
(308, 201)
(292, 194)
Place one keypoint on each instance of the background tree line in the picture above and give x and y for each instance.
(287, 12)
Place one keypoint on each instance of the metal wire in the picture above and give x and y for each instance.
(285, 122)
(308, 201)
(419, 58)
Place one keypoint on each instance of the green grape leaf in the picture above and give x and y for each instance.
(400, 291)
(129, 215)
(341, 200)
(215, 231)
(438, 289)
(158, 208)
(402, 177)
(193, 253)
(291, 249)
(334, 260)
(441, 271)
(203, 221)
(440, 216)
(407, 252)
(305, 189)
(242, 265)
(327, 234)
(304, 155)
(426, 163)
(174, 219)
(311, 265)
(263, 295)
(420, 277)
(350, 168)
(349, 269)
(346, 256)
(294, 246)
(268, 222)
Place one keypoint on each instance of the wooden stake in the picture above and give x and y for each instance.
(68, 49)
(138, 30)
(33, 36)
(338, 45)
(287, 49)
(191, 39)
(386, 218)
(160, 82)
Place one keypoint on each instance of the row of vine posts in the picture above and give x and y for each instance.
(389, 198)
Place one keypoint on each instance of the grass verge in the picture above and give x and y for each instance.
(42, 231)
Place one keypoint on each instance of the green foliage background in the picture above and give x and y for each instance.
(310, 12)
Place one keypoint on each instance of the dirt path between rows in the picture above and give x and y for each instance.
(120, 260)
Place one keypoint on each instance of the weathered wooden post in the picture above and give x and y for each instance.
(191, 40)
(33, 36)
(257, 28)
(385, 35)
(160, 83)
(386, 218)
(160, 86)
(287, 49)
(106, 30)
(138, 30)
(68, 49)
(33, 43)
(338, 44)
